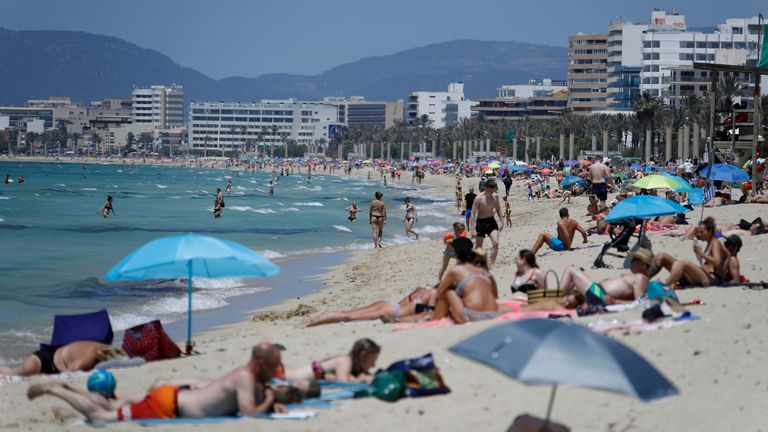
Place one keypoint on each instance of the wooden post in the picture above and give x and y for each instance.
(668, 144)
(648, 141)
(514, 148)
(571, 144)
(538, 149)
(695, 153)
(562, 146)
(686, 142)
(527, 148)
(680, 143)
(605, 143)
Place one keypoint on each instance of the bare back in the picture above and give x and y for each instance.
(626, 287)
(566, 228)
(377, 208)
(598, 172)
(221, 397)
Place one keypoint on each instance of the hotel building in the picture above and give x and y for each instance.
(587, 73)
(162, 106)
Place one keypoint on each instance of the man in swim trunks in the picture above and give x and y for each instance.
(484, 211)
(615, 290)
(599, 173)
(566, 229)
(243, 390)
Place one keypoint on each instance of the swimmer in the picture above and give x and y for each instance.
(7, 179)
(107, 207)
(353, 209)
(229, 186)
(21, 179)
(271, 188)
(218, 203)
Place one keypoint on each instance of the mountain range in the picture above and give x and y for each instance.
(38, 64)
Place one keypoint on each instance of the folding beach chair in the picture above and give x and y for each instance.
(696, 197)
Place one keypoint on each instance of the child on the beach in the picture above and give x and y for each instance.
(507, 212)
(352, 367)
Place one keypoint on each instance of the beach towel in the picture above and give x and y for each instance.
(92, 326)
(422, 377)
(290, 415)
(514, 316)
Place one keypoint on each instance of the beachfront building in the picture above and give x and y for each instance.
(160, 105)
(442, 108)
(667, 45)
(535, 99)
(587, 73)
(625, 62)
(235, 126)
(19, 116)
(356, 111)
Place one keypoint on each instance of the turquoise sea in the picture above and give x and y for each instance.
(55, 247)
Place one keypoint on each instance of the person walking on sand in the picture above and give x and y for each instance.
(484, 211)
(353, 210)
(107, 207)
(243, 391)
(507, 211)
(599, 174)
(411, 217)
(459, 195)
(566, 229)
(469, 200)
(377, 217)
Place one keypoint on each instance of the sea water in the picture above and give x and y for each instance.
(55, 246)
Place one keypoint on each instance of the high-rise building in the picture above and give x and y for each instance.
(162, 106)
(667, 45)
(442, 108)
(232, 125)
(536, 99)
(625, 62)
(587, 73)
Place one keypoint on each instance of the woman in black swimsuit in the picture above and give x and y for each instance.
(529, 276)
(377, 217)
(411, 217)
(107, 207)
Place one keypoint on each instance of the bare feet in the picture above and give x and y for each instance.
(36, 390)
(6, 370)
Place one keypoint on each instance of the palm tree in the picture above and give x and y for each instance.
(647, 108)
(728, 88)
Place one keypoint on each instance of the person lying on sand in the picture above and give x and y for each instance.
(243, 390)
(352, 367)
(76, 356)
(417, 302)
(614, 290)
(568, 302)
(566, 229)
(468, 292)
(709, 268)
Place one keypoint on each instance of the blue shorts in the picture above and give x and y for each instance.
(468, 213)
(556, 244)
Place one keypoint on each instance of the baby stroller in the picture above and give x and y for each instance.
(620, 241)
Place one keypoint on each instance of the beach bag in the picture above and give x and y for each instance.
(387, 385)
(93, 326)
(422, 377)
(150, 342)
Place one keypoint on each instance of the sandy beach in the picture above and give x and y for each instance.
(716, 362)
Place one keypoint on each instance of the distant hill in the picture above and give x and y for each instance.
(38, 64)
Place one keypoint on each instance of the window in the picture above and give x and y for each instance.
(687, 45)
(737, 30)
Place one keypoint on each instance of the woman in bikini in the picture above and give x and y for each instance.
(459, 195)
(419, 301)
(352, 367)
(411, 217)
(377, 216)
(707, 271)
(353, 209)
(459, 230)
(529, 276)
(107, 207)
(468, 291)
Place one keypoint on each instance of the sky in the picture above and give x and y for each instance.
(248, 38)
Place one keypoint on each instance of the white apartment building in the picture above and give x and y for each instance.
(533, 89)
(668, 45)
(442, 108)
(162, 106)
(625, 60)
(232, 125)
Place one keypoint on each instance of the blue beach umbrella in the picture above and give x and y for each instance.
(188, 256)
(568, 181)
(643, 207)
(553, 352)
(726, 172)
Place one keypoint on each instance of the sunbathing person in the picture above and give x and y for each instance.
(352, 367)
(568, 302)
(76, 356)
(243, 390)
(707, 271)
(459, 230)
(754, 199)
(528, 276)
(468, 292)
(419, 301)
(566, 228)
(615, 290)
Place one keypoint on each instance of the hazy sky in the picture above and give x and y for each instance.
(251, 37)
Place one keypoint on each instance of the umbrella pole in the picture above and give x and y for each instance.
(189, 309)
(549, 408)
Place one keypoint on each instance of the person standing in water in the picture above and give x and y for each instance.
(218, 203)
(411, 217)
(229, 186)
(377, 217)
(271, 188)
(107, 207)
(353, 209)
